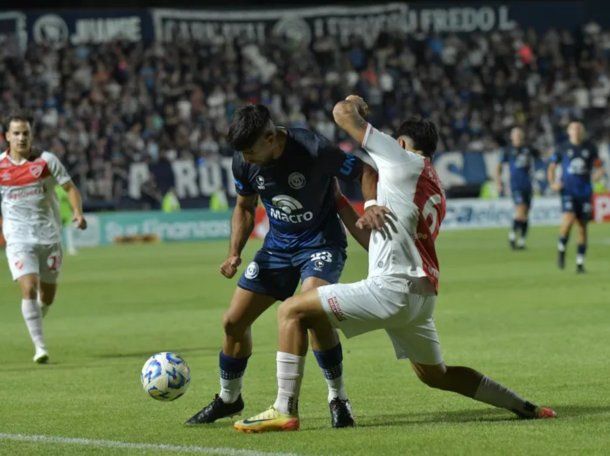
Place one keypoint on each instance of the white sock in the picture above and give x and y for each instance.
(580, 259)
(289, 375)
(497, 395)
(336, 389)
(32, 314)
(512, 236)
(230, 389)
(521, 242)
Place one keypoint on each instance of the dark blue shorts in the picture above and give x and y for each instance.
(275, 273)
(522, 197)
(580, 206)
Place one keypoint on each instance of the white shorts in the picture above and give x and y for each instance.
(44, 260)
(364, 306)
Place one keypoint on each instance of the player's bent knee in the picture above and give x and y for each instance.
(232, 326)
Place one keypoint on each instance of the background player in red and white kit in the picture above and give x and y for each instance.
(399, 294)
(31, 222)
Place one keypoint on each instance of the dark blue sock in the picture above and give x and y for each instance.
(563, 241)
(230, 367)
(330, 361)
(524, 226)
(516, 225)
(581, 249)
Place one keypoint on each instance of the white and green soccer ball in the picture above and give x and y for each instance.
(165, 376)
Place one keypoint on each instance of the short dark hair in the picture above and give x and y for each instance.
(18, 116)
(248, 124)
(422, 132)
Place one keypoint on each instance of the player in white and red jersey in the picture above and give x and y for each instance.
(31, 222)
(400, 291)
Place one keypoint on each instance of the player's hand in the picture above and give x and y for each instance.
(230, 265)
(79, 221)
(361, 106)
(556, 186)
(375, 217)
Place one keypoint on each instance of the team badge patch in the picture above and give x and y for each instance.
(260, 182)
(252, 270)
(36, 170)
(296, 180)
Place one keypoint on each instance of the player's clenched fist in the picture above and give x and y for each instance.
(230, 265)
(361, 106)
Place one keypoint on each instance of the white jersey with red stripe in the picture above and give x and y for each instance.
(409, 186)
(30, 210)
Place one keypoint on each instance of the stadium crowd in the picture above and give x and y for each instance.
(103, 107)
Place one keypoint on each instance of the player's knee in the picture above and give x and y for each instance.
(232, 326)
(289, 311)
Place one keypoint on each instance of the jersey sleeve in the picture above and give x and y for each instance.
(504, 155)
(240, 177)
(337, 163)
(56, 168)
(385, 150)
(556, 157)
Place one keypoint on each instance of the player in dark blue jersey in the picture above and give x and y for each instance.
(294, 172)
(520, 159)
(579, 163)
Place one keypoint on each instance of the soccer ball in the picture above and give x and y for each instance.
(165, 376)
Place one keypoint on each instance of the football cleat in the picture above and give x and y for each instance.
(512, 244)
(545, 413)
(341, 413)
(215, 410)
(268, 421)
(580, 269)
(41, 356)
(561, 260)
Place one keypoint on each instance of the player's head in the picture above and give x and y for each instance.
(418, 135)
(18, 132)
(576, 132)
(517, 136)
(253, 133)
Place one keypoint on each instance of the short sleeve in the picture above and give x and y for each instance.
(384, 149)
(504, 156)
(556, 157)
(240, 177)
(337, 163)
(56, 168)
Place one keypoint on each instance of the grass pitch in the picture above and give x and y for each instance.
(512, 315)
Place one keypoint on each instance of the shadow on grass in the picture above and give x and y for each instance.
(467, 416)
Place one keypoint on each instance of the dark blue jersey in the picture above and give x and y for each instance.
(297, 190)
(577, 163)
(521, 161)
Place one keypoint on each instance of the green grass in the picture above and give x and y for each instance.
(513, 315)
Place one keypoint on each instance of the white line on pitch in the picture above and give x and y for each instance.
(135, 446)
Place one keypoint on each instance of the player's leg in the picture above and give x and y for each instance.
(327, 349)
(23, 262)
(471, 383)
(418, 341)
(567, 220)
(295, 316)
(581, 224)
(521, 213)
(46, 296)
(245, 307)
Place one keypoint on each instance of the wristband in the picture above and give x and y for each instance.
(370, 203)
(342, 202)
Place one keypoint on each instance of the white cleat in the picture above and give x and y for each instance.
(41, 356)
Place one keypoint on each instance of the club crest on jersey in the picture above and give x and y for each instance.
(260, 182)
(252, 270)
(296, 180)
(36, 170)
(6, 176)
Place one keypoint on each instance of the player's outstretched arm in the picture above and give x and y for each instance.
(242, 224)
(349, 217)
(76, 202)
(349, 116)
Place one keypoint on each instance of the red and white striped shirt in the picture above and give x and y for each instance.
(30, 210)
(409, 186)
